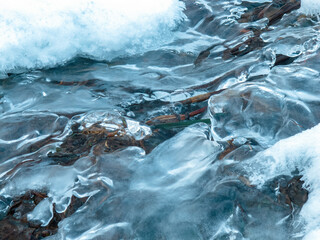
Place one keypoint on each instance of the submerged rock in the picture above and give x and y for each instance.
(273, 11)
(16, 225)
(100, 133)
(294, 192)
(96, 138)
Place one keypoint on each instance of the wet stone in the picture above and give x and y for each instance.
(273, 11)
(294, 192)
(11, 229)
(251, 44)
(290, 190)
(284, 60)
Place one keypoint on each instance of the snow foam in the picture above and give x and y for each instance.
(310, 7)
(37, 34)
(300, 152)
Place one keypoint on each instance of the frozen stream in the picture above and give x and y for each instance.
(160, 119)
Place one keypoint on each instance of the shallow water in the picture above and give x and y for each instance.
(236, 178)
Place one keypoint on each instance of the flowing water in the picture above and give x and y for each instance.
(83, 156)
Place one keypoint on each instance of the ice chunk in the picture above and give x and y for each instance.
(56, 180)
(257, 111)
(138, 131)
(42, 213)
(112, 122)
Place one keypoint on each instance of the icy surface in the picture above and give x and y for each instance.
(204, 181)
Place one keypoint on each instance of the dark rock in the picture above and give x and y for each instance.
(294, 192)
(284, 60)
(245, 47)
(273, 11)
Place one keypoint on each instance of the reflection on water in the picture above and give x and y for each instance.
(78, 160)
